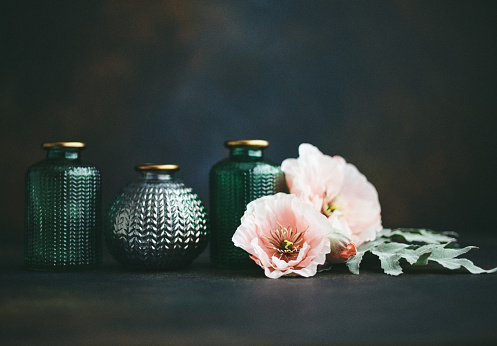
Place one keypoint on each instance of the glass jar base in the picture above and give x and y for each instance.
(153, 268)
(61, 268)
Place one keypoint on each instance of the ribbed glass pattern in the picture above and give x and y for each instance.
(62, 216)
(234, 182)
(156, 224)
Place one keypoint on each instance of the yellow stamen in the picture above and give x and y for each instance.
(330, 205)
(288, 245)
(328, 209)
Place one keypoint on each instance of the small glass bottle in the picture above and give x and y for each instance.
(234, 182)
(156, 222)
(62, 211)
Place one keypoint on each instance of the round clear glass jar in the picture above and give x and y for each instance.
(156, 222)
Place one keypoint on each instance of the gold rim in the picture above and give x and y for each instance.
(153, 167)
(247, 143)
(63, 144)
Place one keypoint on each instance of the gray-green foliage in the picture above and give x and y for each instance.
(417, 247)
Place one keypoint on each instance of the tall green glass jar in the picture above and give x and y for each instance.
(234, 182)
(62, 211)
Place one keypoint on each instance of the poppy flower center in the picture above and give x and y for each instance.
(288, 244)
(286, 241)
(329, 206)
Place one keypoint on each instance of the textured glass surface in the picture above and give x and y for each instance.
(62, 217)
(156, 224)
(234, 182)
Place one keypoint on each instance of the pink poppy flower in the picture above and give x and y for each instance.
(336, 189)
(284, 235)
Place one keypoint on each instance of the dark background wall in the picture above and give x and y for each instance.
(405, 90)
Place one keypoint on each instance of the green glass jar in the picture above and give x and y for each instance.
(62, 211)
(234, 182)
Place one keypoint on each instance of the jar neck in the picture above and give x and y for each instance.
(64, 153)
(151, 175)
(246, 152)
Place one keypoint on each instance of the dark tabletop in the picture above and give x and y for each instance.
(205, 305)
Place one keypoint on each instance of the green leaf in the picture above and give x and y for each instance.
(354, 263)
(437, 248)
(417, 235)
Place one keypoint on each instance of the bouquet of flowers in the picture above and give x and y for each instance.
(333, 215)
